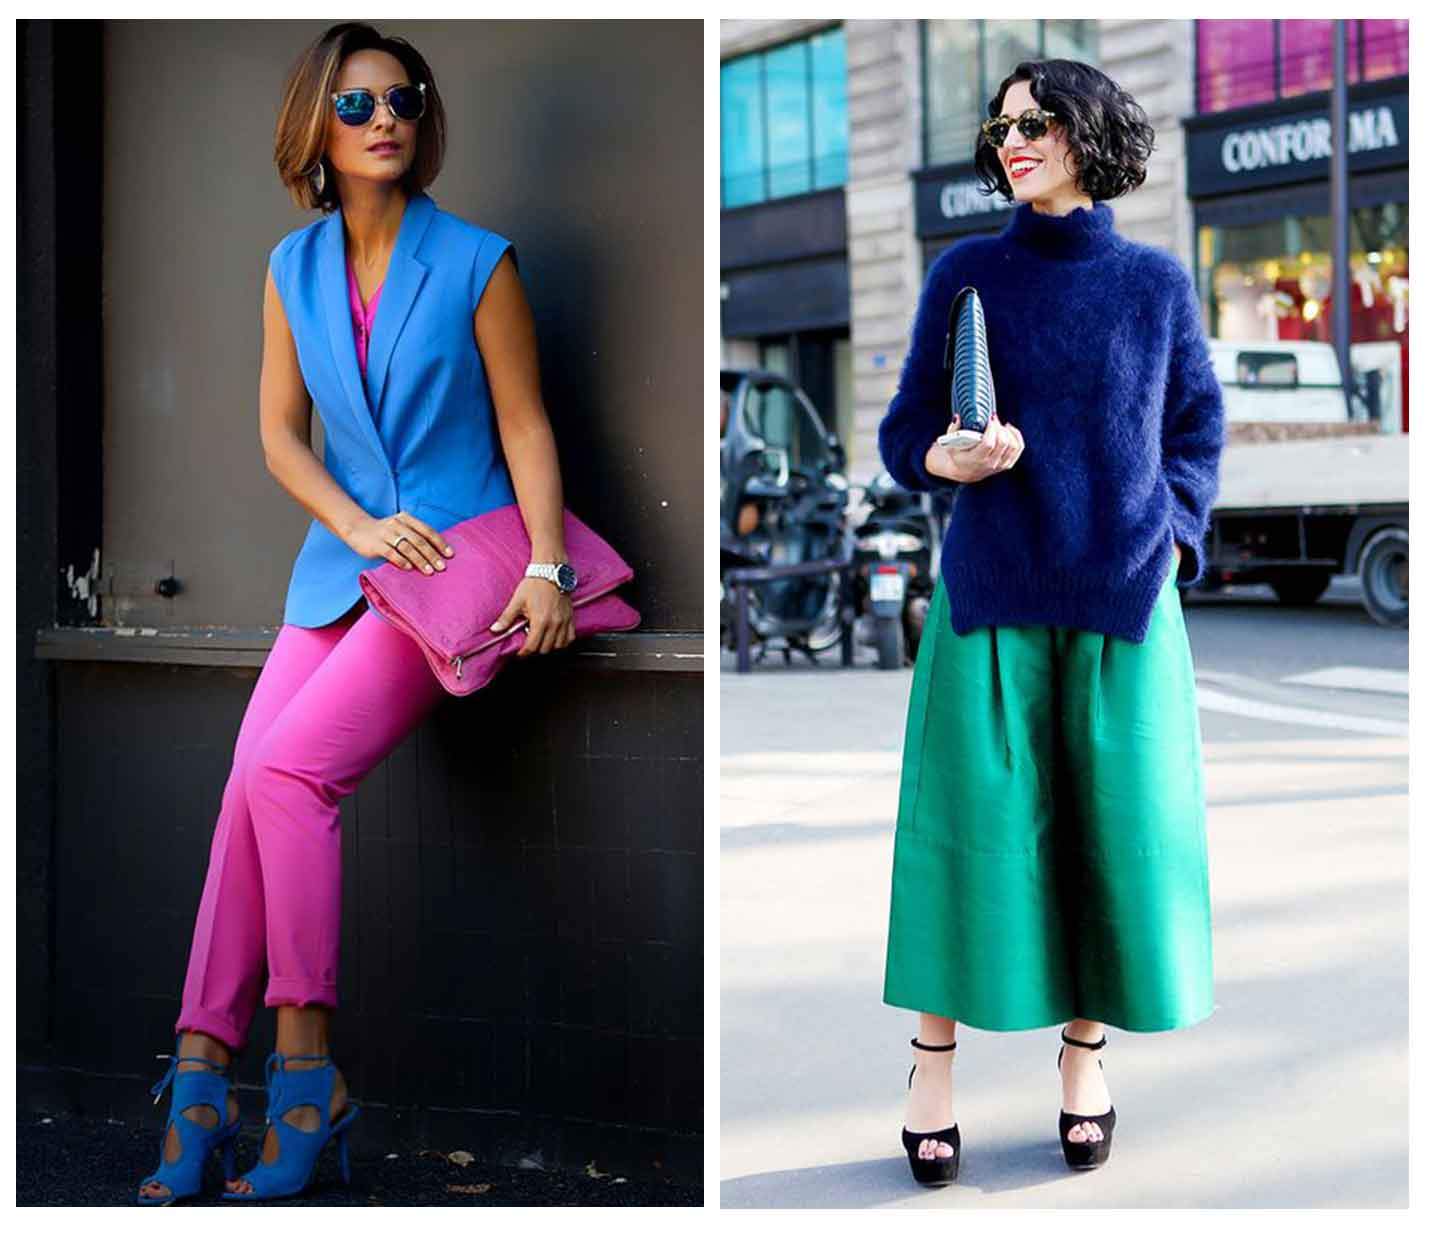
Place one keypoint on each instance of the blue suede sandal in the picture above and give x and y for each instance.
(299, 1149)
(188, 1088)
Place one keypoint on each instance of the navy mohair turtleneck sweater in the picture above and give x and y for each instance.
(1100, 358)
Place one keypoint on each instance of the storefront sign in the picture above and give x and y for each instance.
(951, 201)
(1282, 146)
(785, 299)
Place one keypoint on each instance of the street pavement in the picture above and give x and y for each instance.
(1293, 1094)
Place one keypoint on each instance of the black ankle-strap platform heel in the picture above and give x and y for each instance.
(1085, 1155)
(942, 1170)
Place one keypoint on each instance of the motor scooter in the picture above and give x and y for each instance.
(783, 497)
(897, 550)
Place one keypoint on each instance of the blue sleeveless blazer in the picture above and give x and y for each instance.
(417, 430)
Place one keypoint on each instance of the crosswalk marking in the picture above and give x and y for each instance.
(1214, 700)
(1349, 676)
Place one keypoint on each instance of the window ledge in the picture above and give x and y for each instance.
(228, 646)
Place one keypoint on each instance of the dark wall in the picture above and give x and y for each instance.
(581, 141)
(58, 396)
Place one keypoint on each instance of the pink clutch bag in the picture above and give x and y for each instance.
(449, 613)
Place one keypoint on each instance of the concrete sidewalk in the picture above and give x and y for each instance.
(1294, 1093)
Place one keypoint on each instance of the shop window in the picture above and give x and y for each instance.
(1307, 56)
(1385, 45)
(1238, 63)
(784, 122)
(965, 62)
(1272, 282)
(1234, 64)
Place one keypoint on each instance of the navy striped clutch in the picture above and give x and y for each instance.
(967, 360)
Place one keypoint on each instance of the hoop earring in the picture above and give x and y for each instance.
(318, 184)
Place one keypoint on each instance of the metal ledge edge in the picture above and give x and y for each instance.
(228, 646)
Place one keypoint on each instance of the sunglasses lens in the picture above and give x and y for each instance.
(1032, 125)
(355, 107)
(408, 102)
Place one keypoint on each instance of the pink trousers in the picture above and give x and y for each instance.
(330, 704)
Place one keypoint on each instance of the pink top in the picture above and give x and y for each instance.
(362, 315)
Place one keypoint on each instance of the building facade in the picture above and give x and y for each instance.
(820, 275)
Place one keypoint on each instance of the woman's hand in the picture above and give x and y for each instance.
(402, 539)
(546, 610)
(999, 447)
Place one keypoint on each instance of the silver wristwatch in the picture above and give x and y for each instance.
(561, 575)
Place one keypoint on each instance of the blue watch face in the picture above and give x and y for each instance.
(568, 578)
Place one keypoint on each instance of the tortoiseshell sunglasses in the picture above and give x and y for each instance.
(1032, 125)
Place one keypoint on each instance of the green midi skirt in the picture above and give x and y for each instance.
(1050, 852)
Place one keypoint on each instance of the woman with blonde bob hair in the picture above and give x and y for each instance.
(407, 329)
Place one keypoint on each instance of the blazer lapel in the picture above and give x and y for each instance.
(403, 278)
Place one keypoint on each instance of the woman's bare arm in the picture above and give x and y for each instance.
(285, 427)
(505, 334)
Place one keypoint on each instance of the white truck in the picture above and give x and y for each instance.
(1307, 491)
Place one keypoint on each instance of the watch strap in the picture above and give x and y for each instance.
(553, 572)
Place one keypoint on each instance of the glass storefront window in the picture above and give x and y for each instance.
(1234, 64)
(952, 90)
(830, 114)
(1070, 40)
(787, 119)
(1386, 47)
(1271, 281)
(784, 121)
(1307, 57)
(1238, 63)
(965, 62)
(742, 132)
(1006, 43)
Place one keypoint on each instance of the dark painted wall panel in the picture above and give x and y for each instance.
(530, 957)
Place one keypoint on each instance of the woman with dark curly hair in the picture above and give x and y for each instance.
(1050, 861)
(406, 328)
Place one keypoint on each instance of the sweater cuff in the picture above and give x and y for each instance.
(1191, 539)
(912, 461)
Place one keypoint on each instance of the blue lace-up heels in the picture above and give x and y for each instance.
(288, 1089)
(188, 1088)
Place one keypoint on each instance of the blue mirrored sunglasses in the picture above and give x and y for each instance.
(355, 107)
